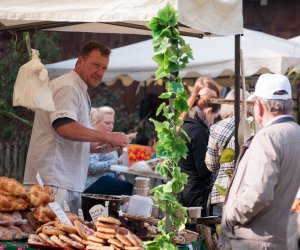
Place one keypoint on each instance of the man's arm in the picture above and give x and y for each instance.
(77, 132)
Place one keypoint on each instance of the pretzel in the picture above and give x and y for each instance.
(71, 242)
(115, 243)
(35, 239)
(104, 235)
(106, 230)
(65, 228)
(52, 230)
(83, 230)
(110, 220)
(60, 243)
(107, 225)
(132, 239)
(124, 240)
(47, 239)
(77, 238)
(96, 239)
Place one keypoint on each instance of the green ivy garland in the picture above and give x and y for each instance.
(171, 53)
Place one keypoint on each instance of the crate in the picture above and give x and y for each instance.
(90, 200)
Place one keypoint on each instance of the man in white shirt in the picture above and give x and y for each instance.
(62, 140)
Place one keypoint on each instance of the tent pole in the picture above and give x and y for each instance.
(237, 61)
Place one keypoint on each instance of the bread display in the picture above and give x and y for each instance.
(109, 234)
(12, 203)
(44, 214)
(40, 196)
(9, 186)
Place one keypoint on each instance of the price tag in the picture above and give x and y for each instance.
(66, 206)
(106, 207)
(61, 215)
(97, 211)
(80, 214)
(39, 179)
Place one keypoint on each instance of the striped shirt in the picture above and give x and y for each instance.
(219, 134)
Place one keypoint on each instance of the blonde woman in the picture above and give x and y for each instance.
(103, 119)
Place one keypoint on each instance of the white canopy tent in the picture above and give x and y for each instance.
(295, 40)
(218, 17)
(212, 57)
(197, 17)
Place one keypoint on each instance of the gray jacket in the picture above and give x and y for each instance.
(263, 188)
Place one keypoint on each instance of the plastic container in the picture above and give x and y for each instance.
(140, 205)
(142, 182)
(90, 200)
(141, 191)
(194, 212)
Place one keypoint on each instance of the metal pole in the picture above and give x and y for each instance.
(237, 93)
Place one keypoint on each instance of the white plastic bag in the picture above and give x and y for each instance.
(31, 88)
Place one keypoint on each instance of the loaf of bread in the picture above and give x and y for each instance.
(44, 214)
(9, 186)
(11, 203)
(40, 196)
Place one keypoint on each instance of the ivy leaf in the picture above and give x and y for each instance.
(174, 67)
(168, 15)
(185, 135)
(159, 59)
(227, 155)
(186, 49)
(165, 95)
(160, 108)
(221, 190)
(161, 72)
(176, 87)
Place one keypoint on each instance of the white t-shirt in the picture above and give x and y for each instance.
(60, 162)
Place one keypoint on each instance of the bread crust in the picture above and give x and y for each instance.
(83, 230)
(96, 239)
(51, 230)
(110, 220)
(124, 240)
(71, 242)
(106, 230)
(104, 236)
(65, 228)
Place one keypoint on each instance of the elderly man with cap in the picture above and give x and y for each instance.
(267, 176)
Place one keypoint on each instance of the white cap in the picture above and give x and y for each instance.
(272, 86)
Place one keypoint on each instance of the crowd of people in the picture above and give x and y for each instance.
(65, 150)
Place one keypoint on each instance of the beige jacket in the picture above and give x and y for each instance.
(263, 188)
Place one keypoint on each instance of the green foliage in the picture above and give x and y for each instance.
(227, 155)
(14, 121)
(171, 55)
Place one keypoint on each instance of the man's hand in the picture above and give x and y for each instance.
(118, 139)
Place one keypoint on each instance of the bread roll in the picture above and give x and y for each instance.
(9, 186)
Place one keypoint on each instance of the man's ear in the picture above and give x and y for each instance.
(208, 111)
(261, 109)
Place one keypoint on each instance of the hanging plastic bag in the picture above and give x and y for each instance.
(31, 88)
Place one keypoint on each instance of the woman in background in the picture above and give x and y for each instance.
(196, 124)
(103, 119)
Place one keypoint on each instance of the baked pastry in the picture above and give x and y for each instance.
(71, 242)
(10, 186)
(110, 220)
(44, 214)
(40, 196)
(67, 228)
(11, 203)
(83, 230)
